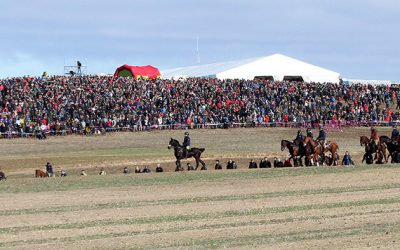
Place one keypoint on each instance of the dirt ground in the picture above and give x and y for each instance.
(295, 208)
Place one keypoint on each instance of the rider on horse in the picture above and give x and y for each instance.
(395, 133)
(186, 143)
(322, 136)
(309, 133)
(374, 135)
(299, 137)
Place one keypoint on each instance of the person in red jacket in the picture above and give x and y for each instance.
(374, 135)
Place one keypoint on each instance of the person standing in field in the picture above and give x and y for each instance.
(49, 170)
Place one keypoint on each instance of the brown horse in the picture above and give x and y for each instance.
(314, 150)
(332, 147)
(364, 140)
(40, 173)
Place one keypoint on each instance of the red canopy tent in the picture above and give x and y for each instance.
(137, 71)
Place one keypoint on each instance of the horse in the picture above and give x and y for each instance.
(314, 150)
(392, 148)
(2, 176)
(332, 147)
(364, 141)
(180, 154)
(40, 173)
(381, 147)
(385, 139)
(294, 150)
(329, 160)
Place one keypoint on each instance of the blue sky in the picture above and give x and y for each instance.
(358, 38)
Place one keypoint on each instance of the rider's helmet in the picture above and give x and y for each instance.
(186, 133)
(321, 127)
(372, 128)
(298, 132)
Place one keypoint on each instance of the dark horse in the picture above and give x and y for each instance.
(180, 154)
(294, 150)
(2, 176)
(377, 149)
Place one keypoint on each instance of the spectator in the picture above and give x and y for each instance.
(287, 163)
(87, 104)
(92, 103)
(146, 169)
(265, 163)
(231, 164)
(137, 170)
(63, 173)
(252, 164)
(49, 169)
(126, 170)
(79, 65)
(159, 169)
(189, 167)
(83, 173)
(102, 172)
(347, 159)
(218, 165)
(277, 163)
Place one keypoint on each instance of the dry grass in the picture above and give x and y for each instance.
(113, 151)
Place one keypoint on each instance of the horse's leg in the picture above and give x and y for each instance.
(385, 155)
(177, 166)
(197, 161)
(316, 158)
(202, 162)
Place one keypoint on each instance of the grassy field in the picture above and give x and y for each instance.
(114, 151)
(294, 208)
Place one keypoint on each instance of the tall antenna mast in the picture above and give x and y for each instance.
(197, 50)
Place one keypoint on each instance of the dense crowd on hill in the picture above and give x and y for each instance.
(97, 103)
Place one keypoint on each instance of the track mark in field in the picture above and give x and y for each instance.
(127, 204)
(268, 239)
(317, 234)
(215, 216)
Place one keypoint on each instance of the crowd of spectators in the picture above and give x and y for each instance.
(95, 104)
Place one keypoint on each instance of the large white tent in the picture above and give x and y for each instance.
(277, 67)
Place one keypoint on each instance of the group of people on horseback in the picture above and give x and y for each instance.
(321, 136)
(313, 150)
(377, 147)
